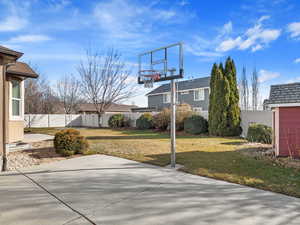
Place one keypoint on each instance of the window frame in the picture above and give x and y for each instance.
(19, 117)
(167, 100)
(203, 96)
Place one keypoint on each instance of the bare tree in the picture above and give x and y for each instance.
(105, 79)
(67, 89)
(255, 90)
(39, 96)
(244, 91)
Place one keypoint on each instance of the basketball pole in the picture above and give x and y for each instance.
(173, 124)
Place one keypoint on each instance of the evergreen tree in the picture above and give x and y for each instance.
(221, 103)
(221, 68)
(233, 109)
(212, 105)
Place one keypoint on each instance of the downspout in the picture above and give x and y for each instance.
(4, 158)
(5, 153)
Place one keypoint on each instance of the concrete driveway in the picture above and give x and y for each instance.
(107, 190)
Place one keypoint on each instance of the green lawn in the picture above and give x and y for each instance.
(214, 157)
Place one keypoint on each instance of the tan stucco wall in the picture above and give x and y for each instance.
(15, 131)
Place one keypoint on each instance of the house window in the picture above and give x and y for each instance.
(199, 95)
(16, 99)
(167, 98)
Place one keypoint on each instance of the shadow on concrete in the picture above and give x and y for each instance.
(133, 194)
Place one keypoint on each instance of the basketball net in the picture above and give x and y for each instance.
(149, 79)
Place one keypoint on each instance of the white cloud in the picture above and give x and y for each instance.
(14, 17)
(297, 60)
(57, 5)
(54, 56)
(29, 38)
(124, 19)
(256, 47)
(206, 48)
(229, 44)
(293, 80)
(294, 29)
(227, 28)
(265, 75)
(255, 37)
(263, 18)
(183, 2)
(12, 23)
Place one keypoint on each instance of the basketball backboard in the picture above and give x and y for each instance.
(161, 64)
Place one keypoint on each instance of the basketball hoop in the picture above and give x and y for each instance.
(148, 77)
(160, 68)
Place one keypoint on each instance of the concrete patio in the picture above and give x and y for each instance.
(108, 190)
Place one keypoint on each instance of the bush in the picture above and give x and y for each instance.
(161, 120)
(183, 111)
(117, 121)
(195, 124)
(69, 142)
(259, 133)
(145, 121)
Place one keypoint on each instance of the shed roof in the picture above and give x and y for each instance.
(183, 85)
(284, 93)
(21, 69)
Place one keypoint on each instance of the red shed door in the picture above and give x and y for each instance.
(289, 131)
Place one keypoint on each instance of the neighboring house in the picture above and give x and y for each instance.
(285, 103)
(89, 108)
(194, 92)
(12, 76)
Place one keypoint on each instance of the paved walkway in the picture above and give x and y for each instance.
(107, 190)
(30, 138)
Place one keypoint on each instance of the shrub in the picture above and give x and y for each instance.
(69, 142)
(195, 124)
(116, 121)
(145, 121)
(183, 111)
(259, 133)
(161, 120)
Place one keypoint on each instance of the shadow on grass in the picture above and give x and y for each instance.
(234, 143)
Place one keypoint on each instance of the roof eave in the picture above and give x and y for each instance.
(28, 75)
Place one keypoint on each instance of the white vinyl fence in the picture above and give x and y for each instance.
(91, 120)
(52, 120)
(250, 117)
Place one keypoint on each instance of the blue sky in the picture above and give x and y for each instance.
(54, 34)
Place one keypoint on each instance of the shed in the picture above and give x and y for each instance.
(284, 101)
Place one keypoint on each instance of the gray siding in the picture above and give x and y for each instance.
(157, 100)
